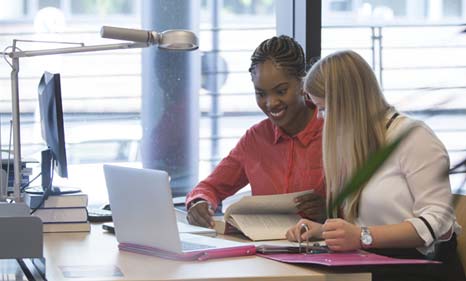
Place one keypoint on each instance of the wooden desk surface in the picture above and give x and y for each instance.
(95, 256)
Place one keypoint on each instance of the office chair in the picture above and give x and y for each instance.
(460, 211)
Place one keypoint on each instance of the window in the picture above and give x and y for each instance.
(96, 7)
(102, 91)
(49, 3)
(453, 8)
(421, 67)
(340, 5)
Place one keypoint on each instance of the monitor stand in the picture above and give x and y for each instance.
(54, 191)
(47, 176)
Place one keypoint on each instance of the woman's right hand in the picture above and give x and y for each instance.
(311, 206)
(200, 213)
(298, 233)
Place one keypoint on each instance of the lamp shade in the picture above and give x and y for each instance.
(177, 39)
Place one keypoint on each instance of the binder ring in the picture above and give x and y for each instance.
(303, 228)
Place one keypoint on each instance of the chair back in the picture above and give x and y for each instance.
(460, 211)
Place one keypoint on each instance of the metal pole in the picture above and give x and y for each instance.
(170, 97)
(376, 49)
(380, 58)
(16, 129)
(214, 113)
(3, 188)
(373, 38)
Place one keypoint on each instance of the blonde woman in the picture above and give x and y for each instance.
(405, 209)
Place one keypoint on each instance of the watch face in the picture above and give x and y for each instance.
(366, 239)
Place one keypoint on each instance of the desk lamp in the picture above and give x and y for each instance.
(180, 40)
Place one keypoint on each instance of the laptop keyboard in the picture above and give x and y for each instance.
(188, 246)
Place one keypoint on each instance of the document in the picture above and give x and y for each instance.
(263, 217)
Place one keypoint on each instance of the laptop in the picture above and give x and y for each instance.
(182, 228)
(145, 220)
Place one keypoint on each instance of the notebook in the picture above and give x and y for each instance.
(145, 220)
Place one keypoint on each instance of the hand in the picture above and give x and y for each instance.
(311, 206)
(341, 235)
(200, 213)
(296, 232)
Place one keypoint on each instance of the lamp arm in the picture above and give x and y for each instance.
(80, 49)
(15, 55)
(170, 39)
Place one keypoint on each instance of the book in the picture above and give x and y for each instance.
(52, 215)
(260, 217)
(8, 165)
(67, 227)
(227, 202)
(223, 227)
(71, 200)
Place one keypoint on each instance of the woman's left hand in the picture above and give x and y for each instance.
(341, 235)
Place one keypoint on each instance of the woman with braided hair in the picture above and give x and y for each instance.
(281, 154)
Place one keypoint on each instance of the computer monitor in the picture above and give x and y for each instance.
(53, 133)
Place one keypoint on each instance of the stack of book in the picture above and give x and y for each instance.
(7, 166)
(61, 213)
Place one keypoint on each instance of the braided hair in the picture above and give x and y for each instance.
(285, 52)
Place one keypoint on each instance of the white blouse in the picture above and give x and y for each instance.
(411, 184)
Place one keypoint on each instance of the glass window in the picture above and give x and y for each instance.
(397, 6)
(25, 6)
(101, 92)
(12, 10)
(96, 7)
(452, 8)
(421, 67)
(227, 91)
(340, 5)
(49, 3)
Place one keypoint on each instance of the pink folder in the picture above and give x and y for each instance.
(200, 255)
(354, 258)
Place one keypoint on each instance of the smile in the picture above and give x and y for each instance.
(278, 114)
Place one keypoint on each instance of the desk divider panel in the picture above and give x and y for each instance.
(20, 234)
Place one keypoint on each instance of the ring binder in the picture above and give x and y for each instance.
(306, 229)
(308, 250)
(305, 255)
(315, 248)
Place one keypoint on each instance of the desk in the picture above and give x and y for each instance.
(96, 255)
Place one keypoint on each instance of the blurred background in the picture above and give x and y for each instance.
(414, 46)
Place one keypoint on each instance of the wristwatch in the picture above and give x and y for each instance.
(366, 237)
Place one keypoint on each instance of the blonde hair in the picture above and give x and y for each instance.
(354, 119)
